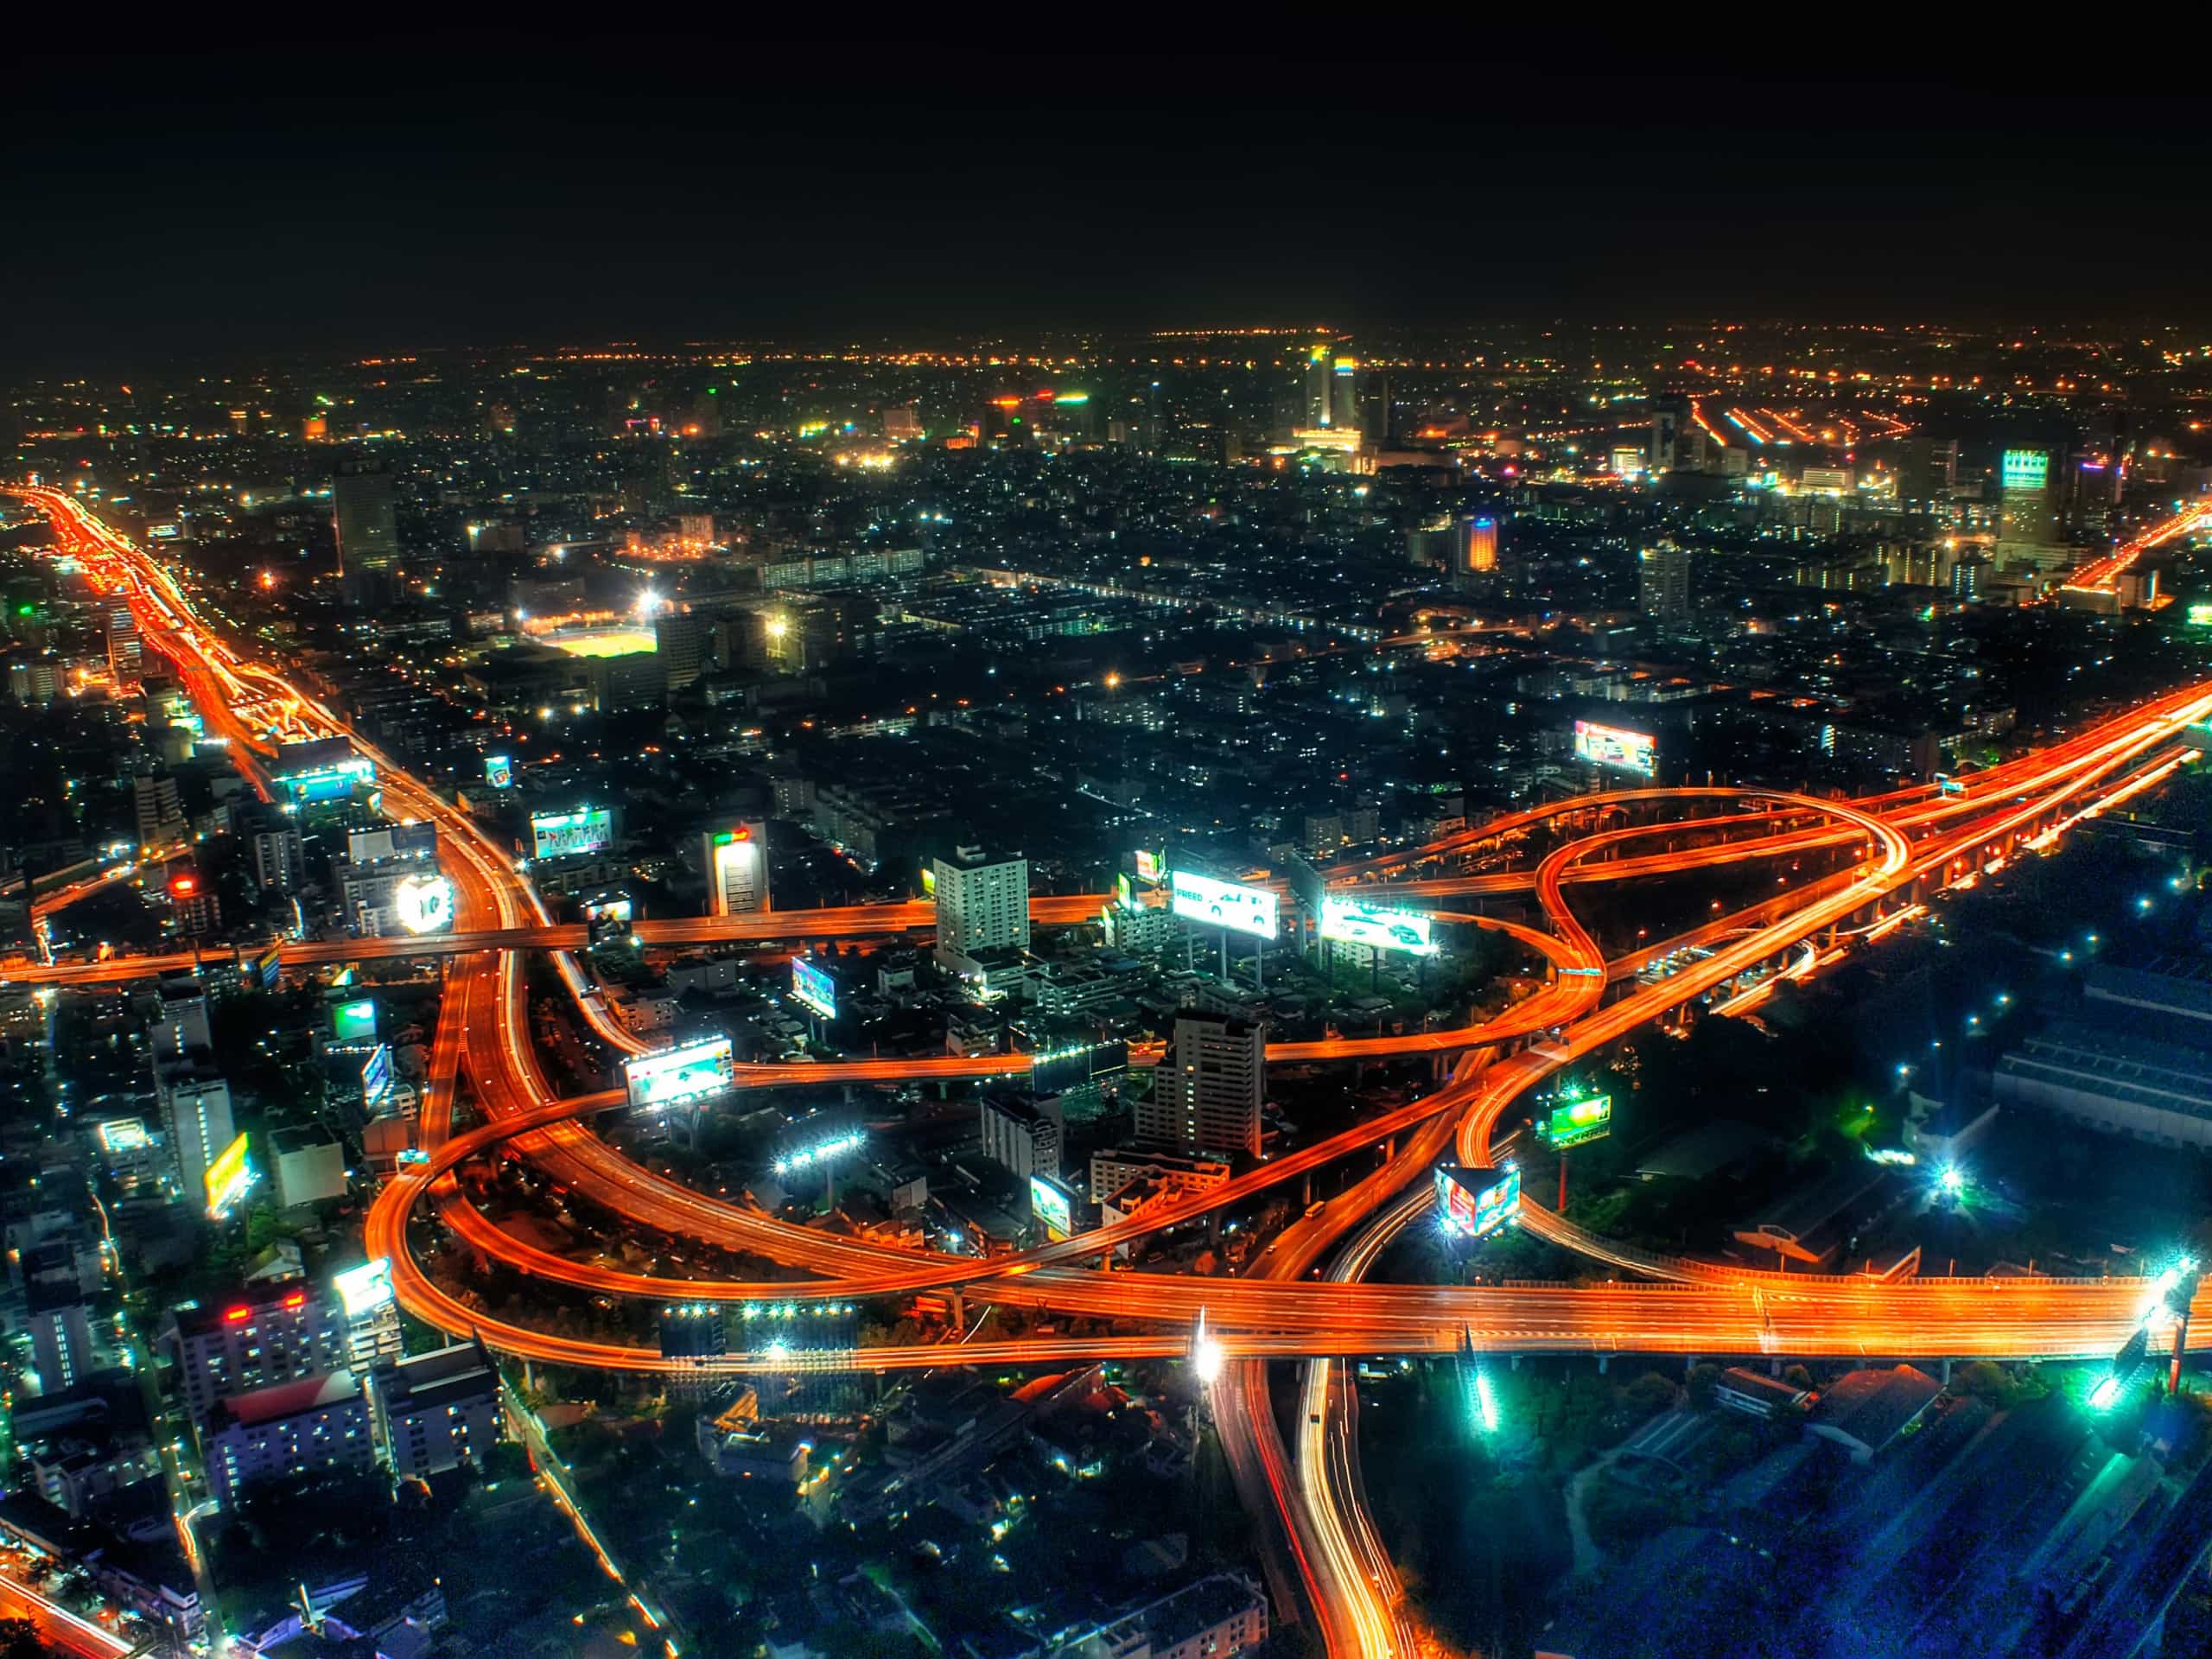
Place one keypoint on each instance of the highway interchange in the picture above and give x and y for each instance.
(1863, 860)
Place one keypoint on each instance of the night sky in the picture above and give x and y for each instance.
(375, 194)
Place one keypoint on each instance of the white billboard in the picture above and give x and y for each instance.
(694, 1070)
(1614, 746)
(588, 829)
(1377, 926)
(424, 903)
(366, 1289)
(1225, 903)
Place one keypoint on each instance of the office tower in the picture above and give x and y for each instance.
(267, 1334)
(1663, 583)
(1928, 469)
(159, 811)
(982, 903)
(1666, 438)
(1344, 395)
(1208, 1090)
(182, 1028)
(735, 861)
(368, 529)
(61, 1334)
(1024, 1135)
(126, 653)
(1320, 360)
(196, 1117)
(1474, 550)
(437, 1411)
(684, 642)
(279, 861)
(2027, 526)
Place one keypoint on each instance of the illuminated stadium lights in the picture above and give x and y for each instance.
(836, 1146)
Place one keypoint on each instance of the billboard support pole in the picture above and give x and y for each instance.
(1562, 1183)
(1224, 955)
(1260, 964)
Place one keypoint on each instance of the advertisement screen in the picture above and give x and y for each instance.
(2026, 469)
(616, 909)
(1610, 746)
(1376, 926)
(228, 1179)
(810, 986)
(499, 771)
(1224, 904)
(355, 1022)
(1151, 867)
(423, 903)
(376, 1077)
(695, 1071)
(588, 829)
(125, 1134)
(269, 967)
(366, 1289)
(1476, 1202)
(1576, 1122)
(1048, 1203)
(737, 870)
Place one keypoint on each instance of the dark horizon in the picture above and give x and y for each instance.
(338, 196)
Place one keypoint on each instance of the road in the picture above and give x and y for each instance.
(1888, 845)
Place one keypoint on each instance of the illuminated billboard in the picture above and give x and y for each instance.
(324, 769)
(1151, 867)
(587, 830)
(228, 1179)
(813, 987)
(355, 1022)
(2026, 469)
(376, 1077)
(1352, 922)
(499, 771)
(1572, 1122)
(1611, 746)
(2200, 616)
(269, 967)
(1048, 1203)
(366, 1289)
(616, 907)
(125, 1134)
(1224, 904)
(423, 903)
(694, 1070)
(1475, 1202)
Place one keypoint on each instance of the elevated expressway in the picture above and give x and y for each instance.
(1895, 845)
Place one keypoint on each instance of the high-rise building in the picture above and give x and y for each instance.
(2027, 527)
(159, 810)
(735, 861)
(1025, 1136)
(1474, 548)
(1208, 1090)
(1663, 583)
(126, 654)
(1928, 469)
(982, 903)
(315, 1424)
(684, 642)
(181, 1027)
(268, 1333)
(61, 1334)
(368, 526)
(279, 861)
(196, 1117)
(437, 1411)
(1320, 362)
